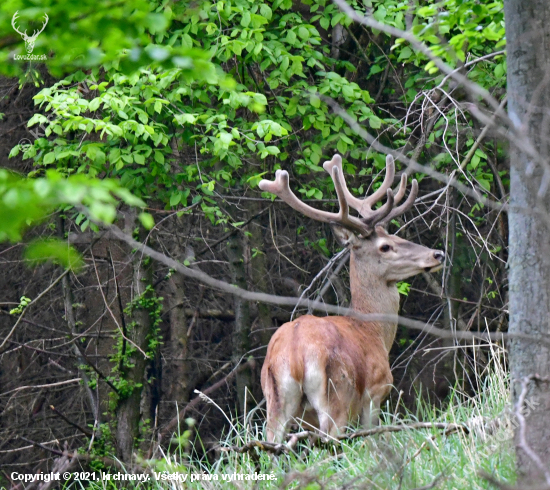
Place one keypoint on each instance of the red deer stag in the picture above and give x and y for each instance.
(331, 370)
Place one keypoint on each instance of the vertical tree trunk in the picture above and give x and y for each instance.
(133, 365)
(528, 38)
(262, 325)
(241, 334)
(177, 380)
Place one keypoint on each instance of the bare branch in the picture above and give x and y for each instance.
(316, 305)
(293, 439)
(50, 385)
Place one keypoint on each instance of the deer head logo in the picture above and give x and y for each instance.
(29, 40)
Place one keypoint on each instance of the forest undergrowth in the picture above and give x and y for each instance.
(408, 459)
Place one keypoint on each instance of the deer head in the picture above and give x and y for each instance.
(29, 40)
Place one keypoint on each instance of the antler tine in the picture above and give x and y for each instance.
(402, 189)
(280, 187)
(405, 206)
(44, 24)
(380, 214)
(345, 219)
(388, 181)
(13, 19)
(336, 162)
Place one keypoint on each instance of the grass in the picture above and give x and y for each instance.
(410, 459)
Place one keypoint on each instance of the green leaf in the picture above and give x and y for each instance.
(94, 104)
(175, 198)
(290, 37)
(403, 288)
(303, 33)
(49, 158)
(159, 157)
(272, 150)
(375, 122)
(347, 91)
(14, 151)
(315, 101)
(245, 20)
(405, 54)
(484, 183)
(185, 118)
(156, 22)
(55, 251)
(139, 159)
(342, 146)
(374, 69)
(266, 11)
(474, 162)
(146, 220)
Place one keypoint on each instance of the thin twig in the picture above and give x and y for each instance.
(503, 486)
(232, 232)
(479, 139)
(79, 456)
(35, 300)
(280, 448)
(326, 268)
(50, 385)
(84, 430)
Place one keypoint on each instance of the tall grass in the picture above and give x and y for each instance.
(410, 459)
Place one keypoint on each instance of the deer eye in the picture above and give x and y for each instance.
(385, 248)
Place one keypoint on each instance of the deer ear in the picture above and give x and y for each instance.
(343, 235)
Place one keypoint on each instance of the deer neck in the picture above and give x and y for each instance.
(373, 294)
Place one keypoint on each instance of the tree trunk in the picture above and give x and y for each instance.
(259, 278)
(177, 387)
(241, 334)
(259, 281)
(133, 363)
(528, 39)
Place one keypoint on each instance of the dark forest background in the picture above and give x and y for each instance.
(192, 142)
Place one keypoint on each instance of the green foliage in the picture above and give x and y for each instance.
(452, 29)
(89, 33)
(26, 201)
(403, 288)
(55, 251)
(84, 34)
(455, 27)
(135, 126)
(145, 119)
(23, 302)
(102, 446)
